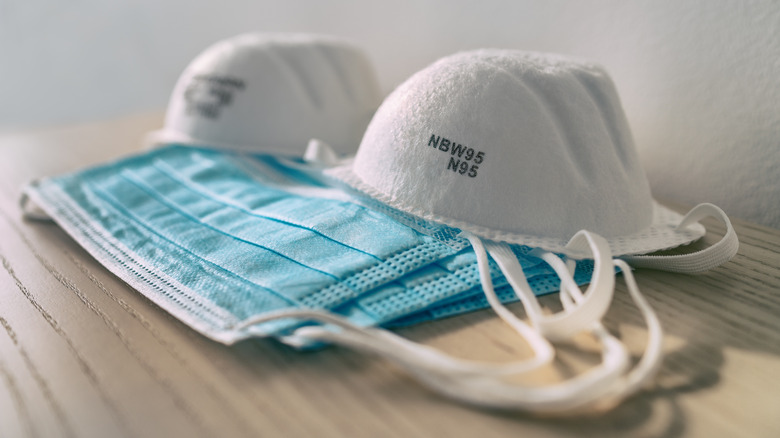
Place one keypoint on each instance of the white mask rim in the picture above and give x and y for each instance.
(661, 234)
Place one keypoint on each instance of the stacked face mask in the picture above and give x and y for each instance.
(501, 151)
(218, 235)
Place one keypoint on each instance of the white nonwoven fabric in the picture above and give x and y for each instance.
(273, 93)
(512, 146)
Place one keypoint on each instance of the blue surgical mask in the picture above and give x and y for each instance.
(218, 237)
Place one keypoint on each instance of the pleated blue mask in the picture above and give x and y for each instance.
(216, 237)
(213, 238)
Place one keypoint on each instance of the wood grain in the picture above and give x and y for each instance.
(84, 355)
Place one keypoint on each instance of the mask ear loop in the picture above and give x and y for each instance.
(648, 365)
(411, 354)
(401, 350)
(584, 316)
(574, 319)
(469, 382)
(699, 261)
(542, 348)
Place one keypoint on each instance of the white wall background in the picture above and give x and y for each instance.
(699, 79)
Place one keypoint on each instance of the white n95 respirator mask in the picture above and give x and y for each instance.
(272, 93)
(518, 147)
(532, 149)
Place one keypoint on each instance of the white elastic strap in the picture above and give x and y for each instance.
(487, 389)
(470, 382)
(503, 255)
(577, 392)
(317, 156)
(574, 319)
(572, 298)
(648, 365)
(699, 261)
(390, 345)
(542, 348)
(319, 152)
(483, 384)
(566, 298)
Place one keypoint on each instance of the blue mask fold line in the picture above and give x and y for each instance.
(97, 235)
(337, 234)
(113, 202)
(128, 175)
(399, 265)
(215, 197)
(255, 273)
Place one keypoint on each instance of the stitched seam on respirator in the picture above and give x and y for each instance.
(672, 237)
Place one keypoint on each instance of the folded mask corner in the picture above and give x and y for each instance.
(29, 208)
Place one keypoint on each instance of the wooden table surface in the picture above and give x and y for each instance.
(84, 355)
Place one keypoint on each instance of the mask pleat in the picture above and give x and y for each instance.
(347, 223)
